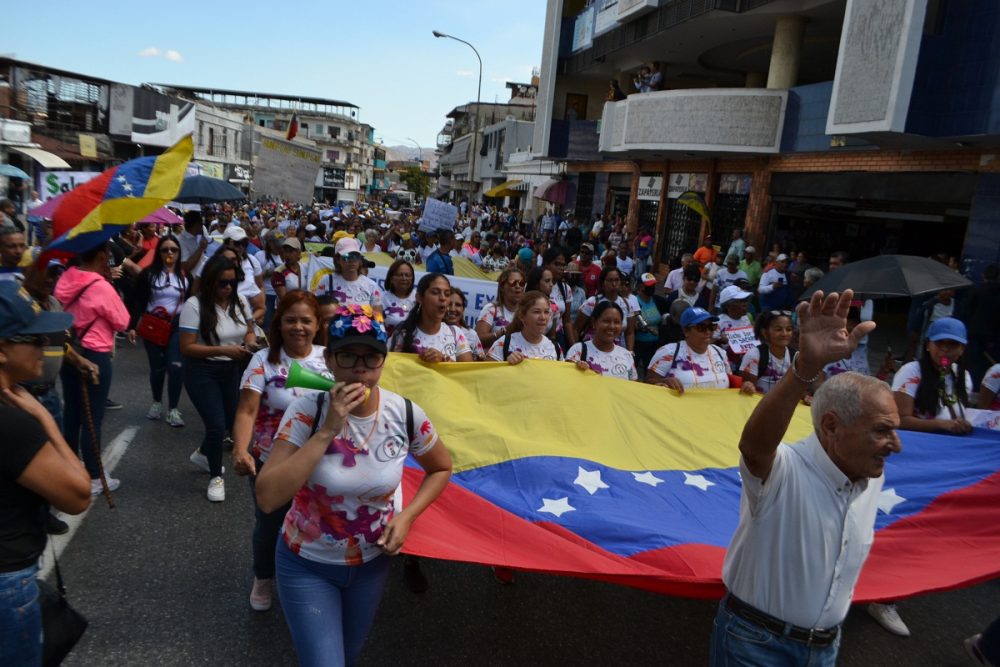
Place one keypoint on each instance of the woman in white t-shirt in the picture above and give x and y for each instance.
(263, 401)
(600, 354)
(611, 283)
(693, 363)
(774, 331)
(455, 316)
(216, 339)
(554, 260)
(525, 337)
(339, 459)
(399, 297)
(989, 389)
(497, 315)
(160, 290)
(425, 332)
(932, 393)
(540, 279)
(346, 283)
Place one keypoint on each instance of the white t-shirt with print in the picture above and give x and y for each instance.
(588, 306)
(907, 379)
(478, 353)
(497, 316)
(695, 371)
(776, 368)
(166, 291)
(341, 511)
(268, 380)
(268, 267)
(229, 330)
(991, 381)
(449, 341)
(396, 309)
(518, 343)
(618, 363)
(362, 291)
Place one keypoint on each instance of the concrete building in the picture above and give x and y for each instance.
(220, 146)
(821, 125)
(500, 141)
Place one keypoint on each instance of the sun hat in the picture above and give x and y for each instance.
(693, 316)
(20, 315)
(947, 328)
(355, 324)
(733, 293)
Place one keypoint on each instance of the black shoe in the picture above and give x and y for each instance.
(413, 576)
(55, 526)
(111, 405)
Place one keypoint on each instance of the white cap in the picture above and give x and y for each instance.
(234, 233)
(780, 258)
(733, 293)
(310, 228)
(347, 245)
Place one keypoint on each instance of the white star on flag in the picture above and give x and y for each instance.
(888, 499)
(127, 187)
(697, 480)
(557, 507)
(647, 478)
(590, 480)
(121, 178)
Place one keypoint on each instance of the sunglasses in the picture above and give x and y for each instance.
(347, 359)
(515, 283)
(351, 257)
(170, 251)
(705, 327)
(228, 283)
(31, 339)
(780, 313)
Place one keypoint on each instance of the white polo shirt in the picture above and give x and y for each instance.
(802, 538)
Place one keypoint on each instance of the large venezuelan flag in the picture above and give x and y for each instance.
(567, 472)
(101, 207)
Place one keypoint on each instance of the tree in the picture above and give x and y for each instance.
(416, 181)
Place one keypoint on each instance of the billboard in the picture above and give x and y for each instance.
(148, 117)
(284, 169)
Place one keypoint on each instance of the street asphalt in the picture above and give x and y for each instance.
(164, 579)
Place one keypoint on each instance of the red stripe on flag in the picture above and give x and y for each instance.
(79, 202)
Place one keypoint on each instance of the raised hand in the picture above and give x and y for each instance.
(823, 334)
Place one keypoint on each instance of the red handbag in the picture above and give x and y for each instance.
(155, 326)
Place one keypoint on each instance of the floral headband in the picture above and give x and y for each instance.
(354, 319)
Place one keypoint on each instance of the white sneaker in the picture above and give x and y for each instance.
(174, 418)
(217, 490)
(155, 411)
(201, 461)
(97, 489)
(888, 617)
(260, 596)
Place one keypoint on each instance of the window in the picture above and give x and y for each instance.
(334, 131)
(201, 131)
(211, 141)
(318, 130)
(332, 156)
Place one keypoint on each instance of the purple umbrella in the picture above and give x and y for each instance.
(162, 216)
(47, 209)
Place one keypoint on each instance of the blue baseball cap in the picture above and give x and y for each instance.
(693, 316)
(947, 328)
(20, 315)
(525, 254)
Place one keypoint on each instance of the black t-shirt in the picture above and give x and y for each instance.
(22, 512)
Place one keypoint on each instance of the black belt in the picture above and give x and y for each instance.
(807, 636)
(39, 389)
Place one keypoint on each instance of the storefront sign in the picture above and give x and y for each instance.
(681, 183)
(212, 169)
(54, 183)
(650, 188)
(284, 170)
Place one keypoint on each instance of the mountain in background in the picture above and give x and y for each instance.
(394, 153)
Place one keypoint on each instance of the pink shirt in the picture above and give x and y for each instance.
(91, 298)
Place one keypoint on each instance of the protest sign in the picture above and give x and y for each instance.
(438, 215)
(741, 339)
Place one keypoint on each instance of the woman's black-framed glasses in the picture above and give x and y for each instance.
(346, 359)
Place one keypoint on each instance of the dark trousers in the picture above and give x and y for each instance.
(74, 420)
(165, 364)
(266, 528)
(214, 387)
(644, 351)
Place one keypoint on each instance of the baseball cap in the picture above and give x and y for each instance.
(947, 328)
(525, 254)
(291, 242)
(694, 316)
(733, 293)
(781, 258)
(347, 245)
(20, 315)
(234, 233)
(648, 279)
(310, 228)
(750, 248)
(357, 325)
(587, 246)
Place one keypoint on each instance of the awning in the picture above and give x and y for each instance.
(44, 158)
(554, 190)
(505, 189)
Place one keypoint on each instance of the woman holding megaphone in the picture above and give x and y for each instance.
(266, 391)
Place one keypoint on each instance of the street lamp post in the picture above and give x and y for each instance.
(420, 152)
(479, 92)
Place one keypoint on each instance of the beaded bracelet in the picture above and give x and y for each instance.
(799, 377)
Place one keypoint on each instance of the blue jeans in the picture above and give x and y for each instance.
(74, 422)
(165, 364)
(737, 642)
(214, 387)
(329, 608)
(20, 618)
(53, 404)
(266, 528)
(270, 303)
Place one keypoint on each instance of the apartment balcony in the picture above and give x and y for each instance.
(706, 121)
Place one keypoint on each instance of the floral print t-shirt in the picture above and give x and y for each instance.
(449, 341)
(362, 291)
(268, 380)
(497, 316)
(340, 512)
(618, 363)
(695, 371)
(776, 368)
(396, 309)
(907, 379)
(545, 349)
